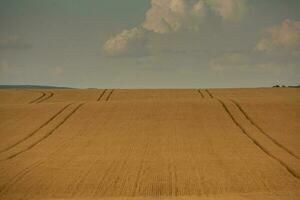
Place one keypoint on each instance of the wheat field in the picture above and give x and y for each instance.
(199, 144)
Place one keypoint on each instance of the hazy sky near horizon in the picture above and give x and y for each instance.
(150, 43)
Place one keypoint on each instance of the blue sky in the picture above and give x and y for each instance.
(150, 44)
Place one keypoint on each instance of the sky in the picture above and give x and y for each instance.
(150, 43)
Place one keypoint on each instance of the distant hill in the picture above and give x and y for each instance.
(31, 87)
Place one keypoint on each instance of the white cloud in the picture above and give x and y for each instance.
(286, 35)
(228, 9)
(128, 42)
(165, 16)
(172, 15)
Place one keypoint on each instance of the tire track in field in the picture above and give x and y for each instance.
(199, 91)
(46, 98)
(102, 94)
(109, 95)
(39, 98)
(262, 131)
(256, 142)
(206, 95)
(46, 135)
(35, 131)
(19, 176)
(209, 93)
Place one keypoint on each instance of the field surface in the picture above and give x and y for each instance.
(198, 144)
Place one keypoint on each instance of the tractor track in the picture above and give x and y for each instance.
(101, 95)
(262, 131)
(39, 128)
(46, 135)
(109, 95)
(46, 98)
(253, 139)
(199, 91)
(39, 98)
(209, 93)
(256, 142)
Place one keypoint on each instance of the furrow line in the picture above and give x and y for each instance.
(125, 166)
(122, 166)
(107, 172)
(83, 174)
(19, 176)
(140, 172)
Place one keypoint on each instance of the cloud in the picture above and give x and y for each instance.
(172, 15)
(13, 42)
(128, 42)
(231, 10)
(166, 16)
(286, 35)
